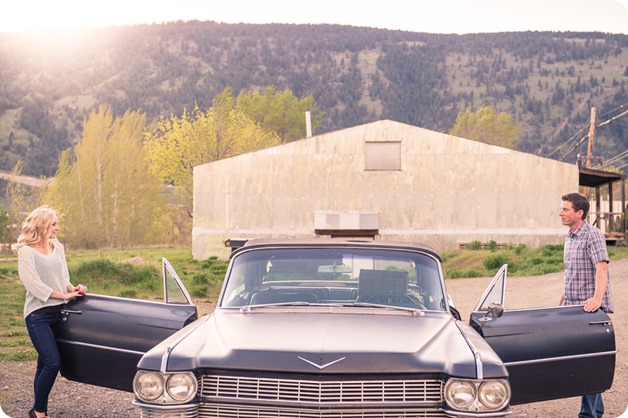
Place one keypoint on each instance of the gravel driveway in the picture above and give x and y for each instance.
(75, 400)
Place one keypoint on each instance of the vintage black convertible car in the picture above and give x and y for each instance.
(334, 328)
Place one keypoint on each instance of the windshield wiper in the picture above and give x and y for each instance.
(414, 311)
(248, 308)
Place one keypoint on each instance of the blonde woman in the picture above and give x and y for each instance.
(44, 272)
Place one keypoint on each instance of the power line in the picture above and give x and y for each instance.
(622, 166)
(613, 110)
(606, 122)
(617, 157)
(621, 155)
(613, 160)
(611, 120)
(566, 142)
(574, 147)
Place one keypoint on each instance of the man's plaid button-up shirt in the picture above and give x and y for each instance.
(584, 248)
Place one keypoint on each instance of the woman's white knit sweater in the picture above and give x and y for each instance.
(41, 274)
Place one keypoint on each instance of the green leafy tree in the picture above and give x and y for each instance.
(280, 111)
(103, 189)
(180, 143)
(487, 126)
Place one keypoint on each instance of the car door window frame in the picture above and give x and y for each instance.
(171, 276)
(498, 279)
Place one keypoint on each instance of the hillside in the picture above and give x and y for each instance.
(547, 81)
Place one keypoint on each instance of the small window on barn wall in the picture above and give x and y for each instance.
(383, 155)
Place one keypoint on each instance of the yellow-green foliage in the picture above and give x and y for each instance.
(280, 111)
(487, 126)
(180, 143)
(103, 189)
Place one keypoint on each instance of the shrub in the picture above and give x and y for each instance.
(474, 245)
(520, 248)
(220, 269)
(551, 250)
(494, 262)
(200, 292)
(209, 262)
(6, 272)
(201, 278)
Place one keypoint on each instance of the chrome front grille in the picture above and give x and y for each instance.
(230, 411)
(323, 393)
(162, 411)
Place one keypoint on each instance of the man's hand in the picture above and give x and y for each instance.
(592, 304)
(601, 281)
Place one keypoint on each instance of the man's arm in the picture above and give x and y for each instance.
(601, 280)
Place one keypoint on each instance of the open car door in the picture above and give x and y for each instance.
(101, 338)
(550, 353)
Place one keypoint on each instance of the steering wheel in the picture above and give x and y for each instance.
(392, 298)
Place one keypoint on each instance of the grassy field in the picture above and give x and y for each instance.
(136, 273)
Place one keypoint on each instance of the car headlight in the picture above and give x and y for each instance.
(460, 393)
(181, 386)
(148, 386)
(164, 388)
(477, 395)
(494, 394)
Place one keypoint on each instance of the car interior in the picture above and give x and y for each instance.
(335, 278)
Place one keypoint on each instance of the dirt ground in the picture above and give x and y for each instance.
(74, 400)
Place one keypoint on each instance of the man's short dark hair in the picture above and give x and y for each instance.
(578, 202)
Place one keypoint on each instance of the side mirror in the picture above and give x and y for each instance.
(495, 310)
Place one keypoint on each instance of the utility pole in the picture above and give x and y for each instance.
(591, 137)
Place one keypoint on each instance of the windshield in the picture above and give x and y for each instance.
(334, 276)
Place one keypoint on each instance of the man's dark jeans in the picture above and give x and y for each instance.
(42, 327)
(592, 406)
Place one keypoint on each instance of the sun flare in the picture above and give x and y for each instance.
(445, 16)
(44, 15)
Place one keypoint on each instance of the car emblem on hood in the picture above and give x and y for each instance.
(322, 366)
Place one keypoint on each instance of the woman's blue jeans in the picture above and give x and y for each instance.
(42, 328)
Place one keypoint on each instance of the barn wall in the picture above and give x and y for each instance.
(448, 191)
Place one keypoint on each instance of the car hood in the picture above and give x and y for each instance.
(305, 341)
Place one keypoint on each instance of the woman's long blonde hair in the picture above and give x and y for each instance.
(36, 227)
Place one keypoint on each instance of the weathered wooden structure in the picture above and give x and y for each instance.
(611, 220)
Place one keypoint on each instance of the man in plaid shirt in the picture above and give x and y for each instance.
(587, 279)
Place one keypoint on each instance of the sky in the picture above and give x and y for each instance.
(432, 16)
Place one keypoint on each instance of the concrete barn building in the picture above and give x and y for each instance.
(386, 180)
